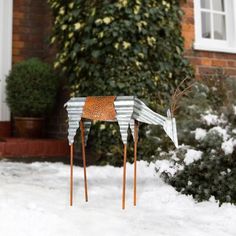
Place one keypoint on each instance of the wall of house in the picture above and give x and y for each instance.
(31, 33)
(31, 30)
(29, 20)
(204, 62)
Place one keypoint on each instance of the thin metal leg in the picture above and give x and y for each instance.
(84, 159)
(71, 173)
(124, 177)
(135, 160)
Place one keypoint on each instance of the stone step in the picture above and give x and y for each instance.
(21, 147)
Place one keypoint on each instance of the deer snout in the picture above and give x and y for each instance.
(171, 130)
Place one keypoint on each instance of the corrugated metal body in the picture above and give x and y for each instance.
(128, 109)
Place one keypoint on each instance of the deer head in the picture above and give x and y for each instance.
(170, 123)
(178, 94)
(170, 128)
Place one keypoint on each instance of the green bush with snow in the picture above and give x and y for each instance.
(212, 175)
(205, 165)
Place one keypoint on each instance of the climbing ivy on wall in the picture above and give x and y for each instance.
(120, 47)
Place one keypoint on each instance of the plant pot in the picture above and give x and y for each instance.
(29, 127)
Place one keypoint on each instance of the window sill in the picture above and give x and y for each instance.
(210, 48)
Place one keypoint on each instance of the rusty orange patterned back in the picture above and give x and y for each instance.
(99, 108)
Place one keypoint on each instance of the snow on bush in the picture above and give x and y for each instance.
(210, 119)
(168, 167)
(234, 107)
(221, 131)
(228, 146)
(191, 156)
(200, 133)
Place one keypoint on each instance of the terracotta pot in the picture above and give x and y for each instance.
(29, 127)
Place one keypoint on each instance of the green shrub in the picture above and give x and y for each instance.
(213, 175)
(120, 48)
(209, 109)
(31, 88)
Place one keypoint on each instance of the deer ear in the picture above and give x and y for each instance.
(168, 113)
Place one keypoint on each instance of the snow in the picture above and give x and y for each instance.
(191, 156)
(228, 146)
(234, 107)
(222, 132)
(200, 134)
(35, 202)
(168, 167)
(210, 119)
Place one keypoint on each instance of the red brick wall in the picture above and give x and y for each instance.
(31, 30)
(204, 62)
(30, 35)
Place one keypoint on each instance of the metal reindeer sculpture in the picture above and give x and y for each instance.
(128, 111)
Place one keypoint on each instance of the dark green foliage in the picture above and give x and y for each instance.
(213, 175)
(212, 141)
(120, 48)
(31, 88)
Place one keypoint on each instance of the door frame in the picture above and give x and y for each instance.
(6, 25)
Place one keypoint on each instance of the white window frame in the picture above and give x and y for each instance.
(228, 45)
(6, 19)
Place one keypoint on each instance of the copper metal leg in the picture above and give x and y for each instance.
(135, 160)
(71, 174)
(84, 159)
(124, 177)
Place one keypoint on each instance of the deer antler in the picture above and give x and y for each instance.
(178, 94)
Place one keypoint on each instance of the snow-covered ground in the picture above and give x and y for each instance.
(34, 200)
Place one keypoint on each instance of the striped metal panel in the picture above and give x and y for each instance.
(124, 110)
(132, 127)
(74, 109)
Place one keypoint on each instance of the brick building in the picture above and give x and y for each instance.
(209, 29)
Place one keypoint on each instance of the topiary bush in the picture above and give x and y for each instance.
(31, 88)
(120, 47)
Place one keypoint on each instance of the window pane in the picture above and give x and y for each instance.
(219, 27)
(205, 4)
(206, 25)
(218, 5)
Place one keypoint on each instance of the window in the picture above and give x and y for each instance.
(215, 25)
